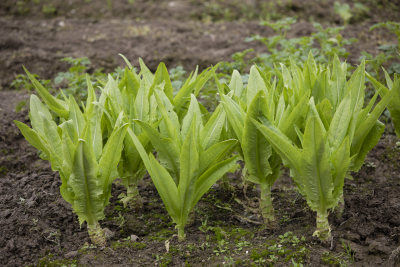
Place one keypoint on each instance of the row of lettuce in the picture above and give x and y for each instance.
(310, 119)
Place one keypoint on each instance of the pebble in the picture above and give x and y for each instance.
(134, 238)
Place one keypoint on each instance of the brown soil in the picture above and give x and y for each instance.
(37, 227)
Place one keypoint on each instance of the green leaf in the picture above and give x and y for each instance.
(56, 105)
(365, 127)
(88, 202)
(162, 76)
(211, 132)
(255, 84)
(189, 168)
(215, 153)
(256, 149)
(340, 165)
(162, 180)
(32, 137)
(193, 86)
(210, 177)
(293, 118)
(193, 111)
(91, 98)
(37, 113)
(236, 84)
(281, 144)
(148, 77)
(317, 183)
(168, 152)
(170, 125)
(76, 116)
(141, 104)
(236, 116)
(110, 158)
(356, 86)
(370, 141)
(340, 123)
(126, 61)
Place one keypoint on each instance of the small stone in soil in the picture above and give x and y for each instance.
(134, 238)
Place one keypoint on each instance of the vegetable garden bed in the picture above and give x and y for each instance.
(39, 228)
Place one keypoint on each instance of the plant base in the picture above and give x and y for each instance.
(97, 235)
(132, 199)
(181, 233)
(267, 210)
(323, 231)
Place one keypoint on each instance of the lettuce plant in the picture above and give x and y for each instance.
(134, 96)
(338, 134)
(131, 96)
(190, 157)
(242, 105)
(75, 149)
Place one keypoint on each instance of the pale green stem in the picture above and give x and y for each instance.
(225, 183)
(181, 232)
(133, 194)
(97, 234)
(323, 231)
(267, 210)
(132, 199)
(340, 207)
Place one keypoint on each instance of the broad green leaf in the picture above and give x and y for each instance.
(193, 111)
(287, 78)
(91, 98)
(340, 165)
(210, 177)
(68, 148)
(162, 76)
(340, 123)
(337, 90)
(282, 145)
(54, 143)
(162, 180)
(366, 126)
(296, 114)
(317, 183)
(193, 86)
(170, 125)
(256, 149)
(370, 141)
(211, 132)
(88, 202)
(326, 112)
(141, 104)
(215, 153)
(189, 168)
(168, 152)
(57, 105)
(255, 84)
(76, 116)
(236, 84)
(148, 77)
(110, 158)
(236, 116)
(33, 138)
(37, 113)
(356, 87)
